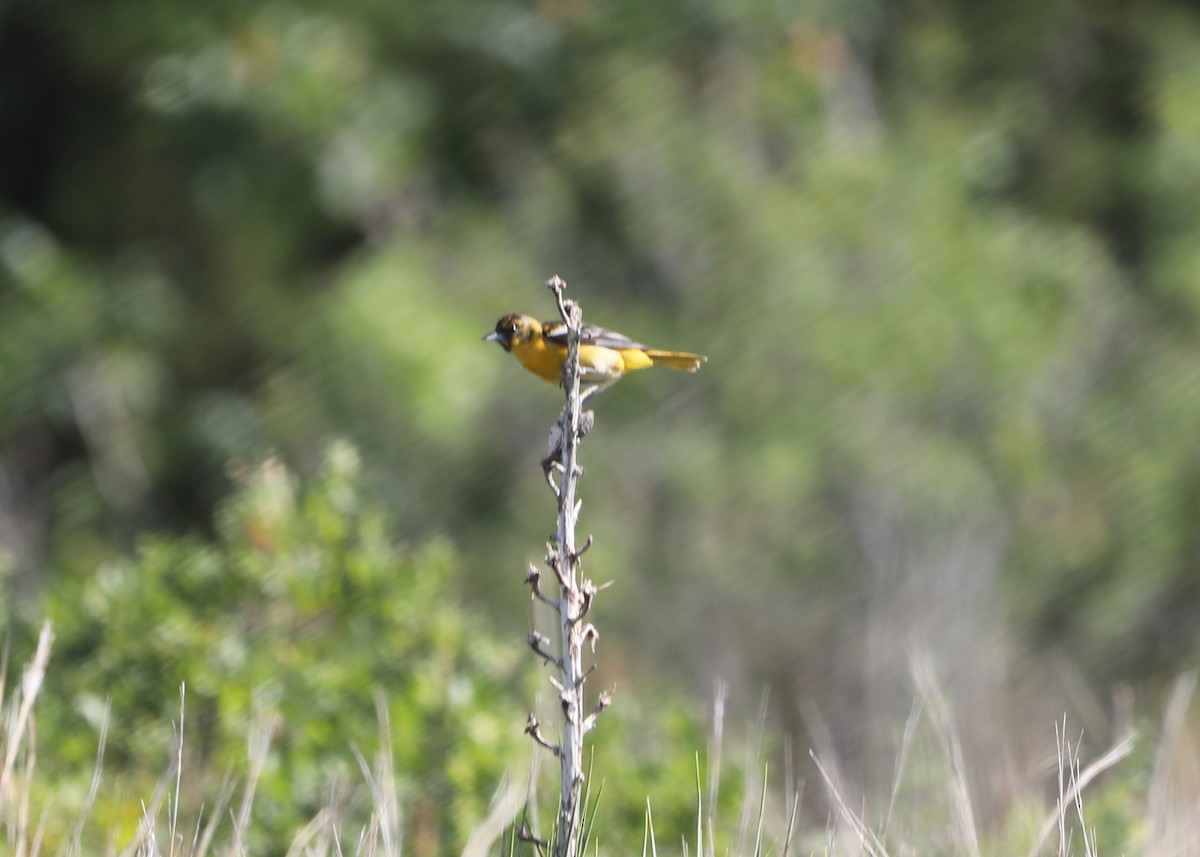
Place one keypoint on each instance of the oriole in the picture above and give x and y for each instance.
(604, 356)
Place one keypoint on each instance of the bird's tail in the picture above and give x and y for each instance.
(680, 360)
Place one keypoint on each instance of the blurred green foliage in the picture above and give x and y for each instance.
(942, 258)
(299, 611)
(287, 624)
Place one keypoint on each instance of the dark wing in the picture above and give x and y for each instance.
(590, 334)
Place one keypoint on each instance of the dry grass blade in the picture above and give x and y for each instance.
(173, 830)
(1158, 809)
(263, 725)
(214, 818)
(1089, 841)
(930, 691)
(145, 838)
(21, 707)
(866, 838)
(1078, 783)
(753, 758)
(77, 835)
(910, 730)
(386, 819)
(324, 820)
(506, 803)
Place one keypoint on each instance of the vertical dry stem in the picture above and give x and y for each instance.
(570, 605)
(575, 592)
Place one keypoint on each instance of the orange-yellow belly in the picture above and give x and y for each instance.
(598, 363)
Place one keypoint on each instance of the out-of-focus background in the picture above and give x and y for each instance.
(943, 258)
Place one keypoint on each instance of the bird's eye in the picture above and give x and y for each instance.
(512, 327)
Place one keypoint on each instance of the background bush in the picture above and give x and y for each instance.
(941, 257)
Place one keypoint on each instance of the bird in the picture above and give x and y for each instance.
(604, 356)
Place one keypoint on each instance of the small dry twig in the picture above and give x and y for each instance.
(533, 728)
(538, 641)
(534, 579)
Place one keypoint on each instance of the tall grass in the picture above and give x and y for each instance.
(922, 814)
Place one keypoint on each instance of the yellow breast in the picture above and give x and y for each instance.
(542, 358)
(545, 359)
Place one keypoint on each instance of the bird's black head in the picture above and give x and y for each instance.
(513, 328)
